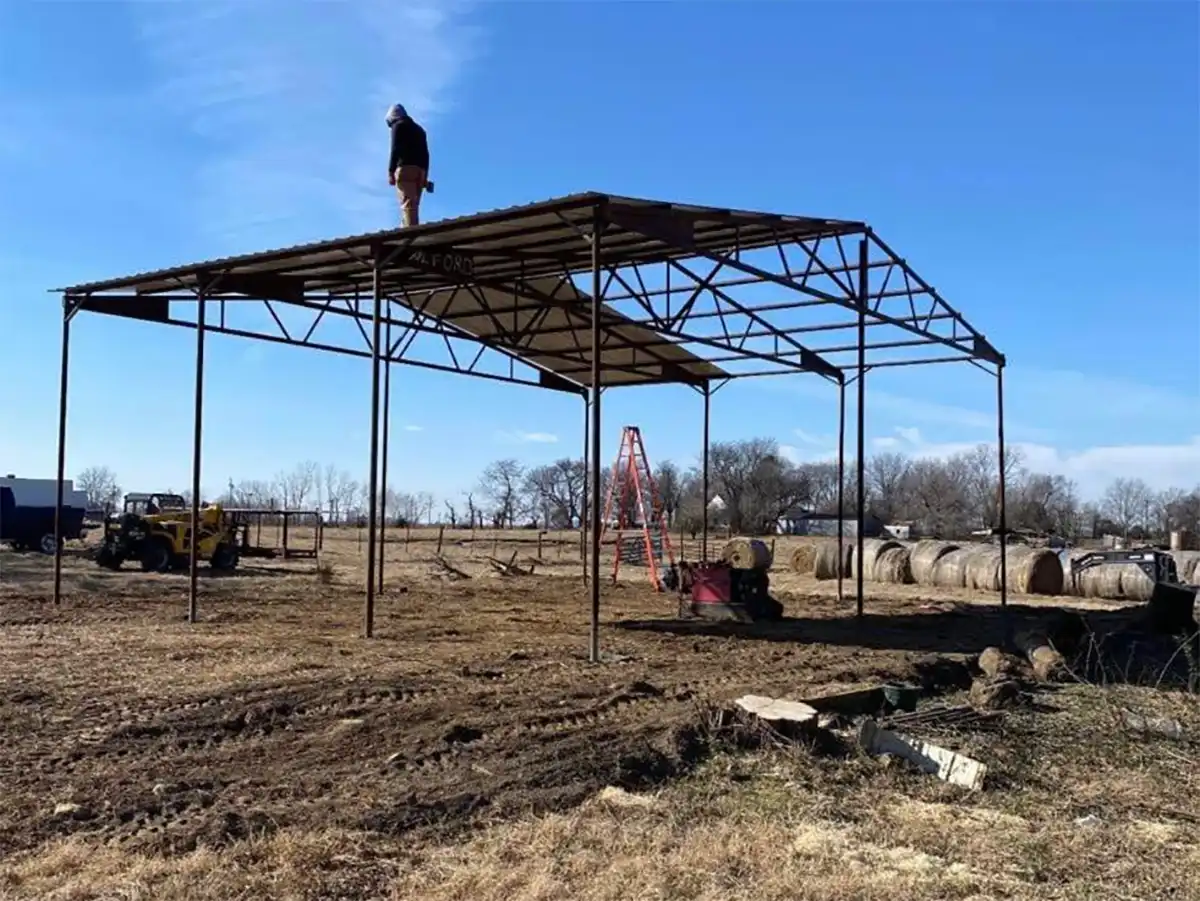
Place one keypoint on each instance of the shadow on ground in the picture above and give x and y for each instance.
(962, 630)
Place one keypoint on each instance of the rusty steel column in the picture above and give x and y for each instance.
(704, 477)
(583, 509)
(841, 489)
(860, 467)
(597, 370)
(197, 449)
(64, 367)
(1003, 486)
(373, 478)
(387, 428)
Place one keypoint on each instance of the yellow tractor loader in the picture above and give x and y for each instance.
(156, 530)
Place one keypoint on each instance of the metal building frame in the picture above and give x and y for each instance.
(506, 284)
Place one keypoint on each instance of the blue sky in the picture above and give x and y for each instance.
(1038, 162)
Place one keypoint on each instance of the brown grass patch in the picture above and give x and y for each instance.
(270, 752)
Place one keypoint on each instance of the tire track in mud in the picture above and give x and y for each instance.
(431, 771)
(230, 719)
(639, 696)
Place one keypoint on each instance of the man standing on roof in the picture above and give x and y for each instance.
(408, 163)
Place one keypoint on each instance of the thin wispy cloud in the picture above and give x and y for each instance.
(289, 98)
(414, 428)
(810, 438)
(529, 437)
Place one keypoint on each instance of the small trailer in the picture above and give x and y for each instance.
(27, 513)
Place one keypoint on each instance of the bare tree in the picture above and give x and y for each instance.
(1184, 511)
(756, 483)
(424, 506)
(339, 491)
(100, 485)
(669, 482)
(885, 476)
(451, 514)
(1045, 503)
(1125, 503)
(823, 484)
(501, 484)
(295, 487)
(554, 492)
(936, 499)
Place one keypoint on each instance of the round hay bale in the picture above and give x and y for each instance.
(893, 566)
(950, 570)
(825, 564)
(1187, 565)
(1034, 570)
(1103, 581)
(747, 553)
(872, 548)
(983, 568)
(1182, 540)
(1135, 584)
(922, 557)
(802, 559)
(1065, 557)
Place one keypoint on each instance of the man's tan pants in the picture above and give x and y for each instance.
(410, 182)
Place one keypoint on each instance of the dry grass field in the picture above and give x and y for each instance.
(470, 751)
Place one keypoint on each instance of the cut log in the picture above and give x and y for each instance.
(995, 664)
(1048, 664)
(777, 709)
(947, 765)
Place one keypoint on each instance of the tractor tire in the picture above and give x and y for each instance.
(109, 560)
(156, 557)
(224, 558)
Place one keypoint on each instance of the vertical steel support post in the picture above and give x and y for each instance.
(373, 478)
(583, 508)
(64, 367)
(863, 289)
(598, 225)
(704, 477)
(841, 488)
(387, 415)
(1003, 486)
(197, 441)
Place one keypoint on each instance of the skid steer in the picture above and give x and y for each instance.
(1171, 607)
(156, 531)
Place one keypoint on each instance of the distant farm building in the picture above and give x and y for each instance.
(808, 522)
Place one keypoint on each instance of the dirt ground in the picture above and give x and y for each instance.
(143, 748)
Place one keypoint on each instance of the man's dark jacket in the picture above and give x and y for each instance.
(409, 147)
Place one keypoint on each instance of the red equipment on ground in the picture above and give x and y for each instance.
(639, 507)
(717, 590)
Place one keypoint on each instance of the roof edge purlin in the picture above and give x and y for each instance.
(524, 238)
(418, 233)
(365, 240)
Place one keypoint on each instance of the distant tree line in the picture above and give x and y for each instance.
(757, 484)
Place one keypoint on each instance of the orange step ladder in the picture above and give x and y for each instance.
(638, 507)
